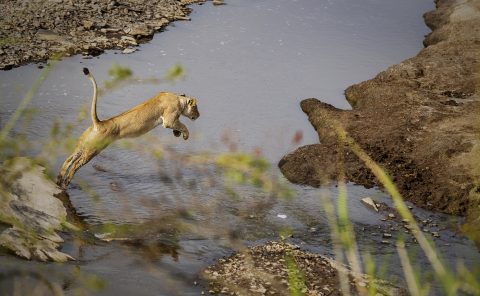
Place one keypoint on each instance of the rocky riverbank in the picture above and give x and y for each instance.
(417, 119)
(34, 31)
(279, 268)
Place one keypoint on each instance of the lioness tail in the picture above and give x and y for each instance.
(95, 119)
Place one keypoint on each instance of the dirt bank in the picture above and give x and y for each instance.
(33, 31)
(418, 119)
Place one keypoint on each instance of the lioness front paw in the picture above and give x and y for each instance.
(185, 135)
(177, 133)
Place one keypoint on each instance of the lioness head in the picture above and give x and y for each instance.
(191, 108)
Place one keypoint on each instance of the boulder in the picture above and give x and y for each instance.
(29, 206)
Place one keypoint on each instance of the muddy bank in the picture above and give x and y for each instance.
(34, 31)
(418, 119)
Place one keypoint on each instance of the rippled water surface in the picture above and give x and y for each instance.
(249, 63)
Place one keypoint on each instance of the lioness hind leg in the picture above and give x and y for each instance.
(84, 157)
(66, 166)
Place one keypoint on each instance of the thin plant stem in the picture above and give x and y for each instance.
(347, 233)
(412, 283)
(337, 247)
(429, 250)
(26, 100)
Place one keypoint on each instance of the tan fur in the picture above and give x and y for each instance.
(165, 109)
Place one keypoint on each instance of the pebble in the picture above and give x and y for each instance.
(368, 201)
(129, 50)
(224, 290)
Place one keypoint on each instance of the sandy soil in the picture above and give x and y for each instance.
(417, 119)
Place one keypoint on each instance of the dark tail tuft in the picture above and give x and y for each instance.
(85, 71)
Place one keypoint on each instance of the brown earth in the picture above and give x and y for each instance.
(417, 119)
(36, 30)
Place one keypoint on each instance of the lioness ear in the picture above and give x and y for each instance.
(192, 102)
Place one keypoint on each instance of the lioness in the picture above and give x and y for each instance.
(165, 109)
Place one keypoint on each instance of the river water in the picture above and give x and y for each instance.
(249, 63)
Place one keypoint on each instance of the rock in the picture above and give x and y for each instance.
(87, 24)
(158, 24)
(128, 40)
(218, 2)
(46, 35)
(29, 205)
(100, 24)
(129, 50)
(139, 31)
(368, 201)
(182, 18)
